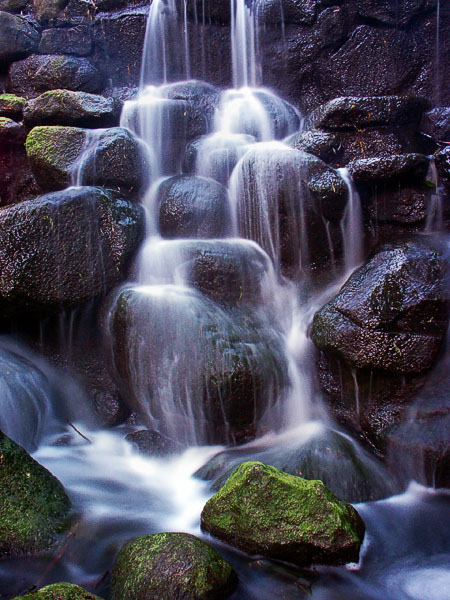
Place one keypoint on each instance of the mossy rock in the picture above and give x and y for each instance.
(33, 504)
(11, 106)
(53, 153)
(265, 511)
(170, 566)
(60, 591)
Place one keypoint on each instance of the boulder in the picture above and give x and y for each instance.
(67, 40)
(436, 123)
(39, 73)
(386, 13)
(60, 591)
(12, 106)
(65, 107)
(18, 38)
(152, 443)
(168, 566)
(262, 510)
(290, 12)
(323, 144)
(410, 167)
(11, 133)
(46, 10)
(53, 153)
(65, 248)
(442, 160)
(13, 160)
(13, 6)
(192, 206)
(34, 508)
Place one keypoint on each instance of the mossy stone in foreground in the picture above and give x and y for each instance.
(263, 510)
(60, 591)
(171, 566)
(33, 504)
(11, 106)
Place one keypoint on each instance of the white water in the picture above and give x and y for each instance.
(352, 225)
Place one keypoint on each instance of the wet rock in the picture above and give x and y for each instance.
(11, 133)
(41, 73)
(53, 153)
(262, 510)
(312, 452)
(403, 206)
(353, 113)
(323, 144)
(387, 13)
(18, 38)
(436, 123)
(13, 6)
(67, 40)
(60, 591)
(116, 159)
(13, 189)
(171, 565)
(11, 106)
(152, 443)
(331, 191)
(192, 206)
(108, 407)
(65, 248)
(64, 107)
(46, 10)
(442, 160)
(33, 505)
(283, 118)
(410, 167)
(214, 11)
(288, 11)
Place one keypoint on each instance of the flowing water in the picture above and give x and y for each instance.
(169, 324)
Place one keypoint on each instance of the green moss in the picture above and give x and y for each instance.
(12, 102)
(171, 565)
(60, 591)
(266, 511)
(33, 504)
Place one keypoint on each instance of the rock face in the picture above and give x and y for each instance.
(262, 510)
(67, 40)
(18, 38)
(387, 323)
(60, 591)
(64, 107)
(168, 566)
(65, 248)
(33, 505)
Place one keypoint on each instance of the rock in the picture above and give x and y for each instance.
(214, 11)
(168, 566)
(40, 73)
(312, 452)
(152, 443)
(283, 117)
(11, 133)
(331, 192)
(108, 407)
(398, 205)
(288, 12)
(64, 107)
(323, 144)
(387, 13)
(13, 189)
(46, 10)
(85, 238)
(18, 38)
(436, 123)
(442, 160)
(13, 6)
(60, 591)
(227, 380)
(53, 153)
(34, 508)
(192, 206)
(115, 158)
(409, 167)
(67, 40)
(11, 106)
(354, 113)
(262, 510)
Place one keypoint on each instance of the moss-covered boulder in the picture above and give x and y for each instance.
(53, 153)
(263, 510)
(11, 106)
(33, 504)
(168, 566)
(60, 591)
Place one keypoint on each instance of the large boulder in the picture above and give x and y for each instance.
(65, 248)
(436, 123)
(192, 206)
(262, 510)
(46, 10)
(34, 508)
(60, 591)
(18, 38)
(14, 160)
(442, 160)
(67, 40)
(400, 167)
(171, 565)
(65, 107)
(11, 133)
(40, 73)
(12, 106)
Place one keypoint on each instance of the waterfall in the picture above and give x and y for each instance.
(246, 72)
(352, 225)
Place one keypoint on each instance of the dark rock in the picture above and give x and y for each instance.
(152, 443)
(323, 144)
(442, 160)
(354, 113)
(283, 117)
(287, 11)
(13, 6)
(312, 452)
(331, 191)
(65, 248)
(33, 505)
(11, 106)
(262, 510)
(399, 205)
(13, 189)
(410, 167)
(171, 565)
(108, 407)
(40, 73)
(18, 38)
(60, 591)
(64, 107)
(191, 206)
(45, 10)
(67, 40)
(209, 11)
(53, 153)
(11, 133)
(436, 123)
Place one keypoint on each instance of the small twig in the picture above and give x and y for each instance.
(79, 433)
